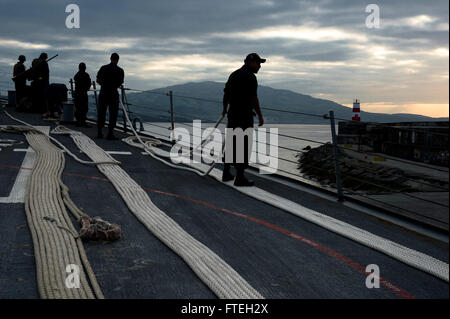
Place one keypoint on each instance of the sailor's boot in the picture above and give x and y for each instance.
(226, 175)
(241, 180)
(78, 123)
(111, 135)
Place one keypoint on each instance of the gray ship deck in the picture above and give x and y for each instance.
(279, 254)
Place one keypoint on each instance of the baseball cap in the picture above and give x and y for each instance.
(254, 57)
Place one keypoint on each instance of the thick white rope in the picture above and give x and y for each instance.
(224, 281)
(55, 241)
(221, 278)
(401, 253)
(147, 144)
(404, 254)
(109, 161)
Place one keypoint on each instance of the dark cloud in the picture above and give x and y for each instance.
(327, 50)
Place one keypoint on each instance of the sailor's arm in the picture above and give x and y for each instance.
(255, 106)
(255, 100)
(122, 77)
(225, 103)
(100, 76)
(88, 83)
(226, 98)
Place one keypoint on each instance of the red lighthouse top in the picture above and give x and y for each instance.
(356, 110)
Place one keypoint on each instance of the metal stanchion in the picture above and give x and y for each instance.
(122, 89)
(95, 95)
(336, 159)
(71, 88)
(171, 115)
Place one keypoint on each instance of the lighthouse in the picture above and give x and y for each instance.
(356, 111)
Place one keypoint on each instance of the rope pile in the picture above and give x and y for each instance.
(98, 229)
(55, 240)
(221, 278)
(91, 228)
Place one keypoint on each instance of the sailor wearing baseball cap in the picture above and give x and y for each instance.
(241, 94)
(254, 57)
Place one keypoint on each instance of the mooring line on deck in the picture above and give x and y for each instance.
(28, 126)
(404, 254)
(55, 241)
(401, 253)
(220, 277)
(326, 250)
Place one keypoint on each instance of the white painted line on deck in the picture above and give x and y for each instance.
(24, 150)
(28, 150)
(119, 153)
(116, 152)
(17, 194)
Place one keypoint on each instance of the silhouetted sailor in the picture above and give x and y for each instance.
(82, 86)
(39, 76)
(241, 94)
(20, 79)
(110, 77)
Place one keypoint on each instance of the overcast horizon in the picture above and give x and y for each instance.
(319, 48)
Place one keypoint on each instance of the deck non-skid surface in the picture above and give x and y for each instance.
(280, 255)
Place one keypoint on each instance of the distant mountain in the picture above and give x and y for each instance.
(186, 109)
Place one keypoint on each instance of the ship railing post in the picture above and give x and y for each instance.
(336, 159)
(172, 127)
(124, 102)
(71, 88)
(95, 95)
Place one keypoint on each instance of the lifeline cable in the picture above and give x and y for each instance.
(404, 254)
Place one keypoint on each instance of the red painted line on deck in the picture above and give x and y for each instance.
(90, 177)
(13, 166)
(328, 251)
(397, 290)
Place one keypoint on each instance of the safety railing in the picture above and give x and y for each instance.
(151, 119)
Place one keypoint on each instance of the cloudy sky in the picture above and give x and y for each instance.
(321, 48)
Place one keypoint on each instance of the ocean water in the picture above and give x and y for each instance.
(287, 159)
